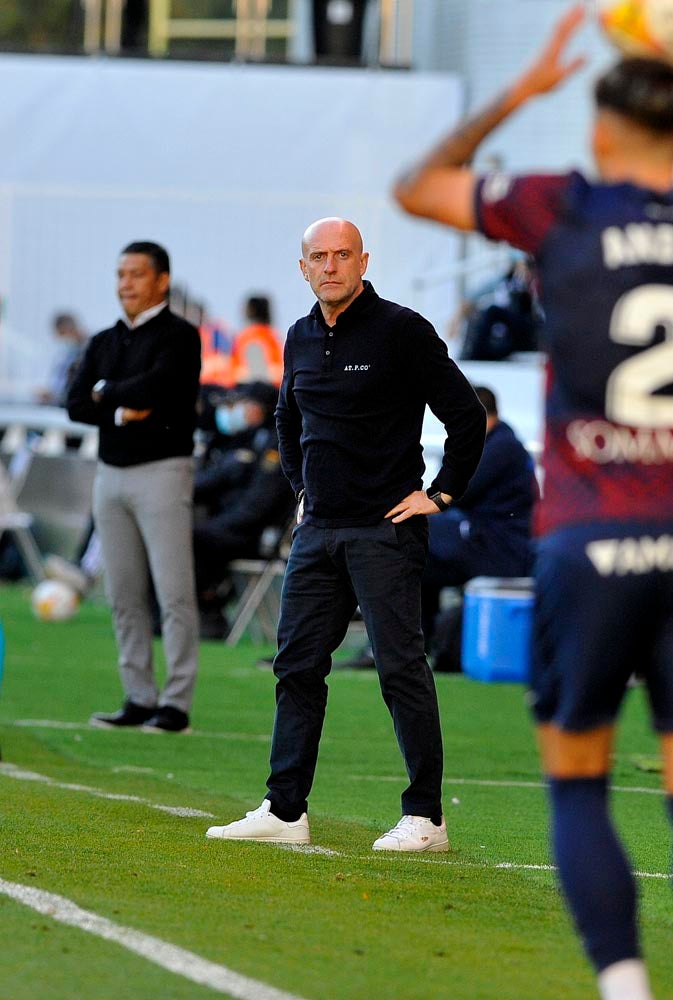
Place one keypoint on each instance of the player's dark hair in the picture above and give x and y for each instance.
(159, 257)
(487, 399)
(640, 90)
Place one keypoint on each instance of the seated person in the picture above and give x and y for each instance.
(240, 490)
(488, 531)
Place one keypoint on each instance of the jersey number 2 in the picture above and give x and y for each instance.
(630, 390)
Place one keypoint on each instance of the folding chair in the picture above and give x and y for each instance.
(19, 524)
(258, 603)
(56, 490)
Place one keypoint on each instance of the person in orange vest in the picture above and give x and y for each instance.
(217, 367)
(258, 348)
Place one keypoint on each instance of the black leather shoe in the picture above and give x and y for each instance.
(129, 714)
(168, 720)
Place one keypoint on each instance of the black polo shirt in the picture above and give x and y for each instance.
(351, 407)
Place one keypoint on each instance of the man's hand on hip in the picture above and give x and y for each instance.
(417, 502)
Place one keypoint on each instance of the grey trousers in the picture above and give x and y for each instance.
(143, 514)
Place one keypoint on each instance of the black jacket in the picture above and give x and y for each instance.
(246, 492)
(503, 490)
(154, 367)
(351, 406)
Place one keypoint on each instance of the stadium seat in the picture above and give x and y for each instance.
(56, 490)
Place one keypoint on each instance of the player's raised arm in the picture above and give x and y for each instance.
(441, 185)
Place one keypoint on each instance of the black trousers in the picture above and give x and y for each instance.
(330, 572)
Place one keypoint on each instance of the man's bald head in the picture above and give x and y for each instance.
(333, 263)
(333, 227)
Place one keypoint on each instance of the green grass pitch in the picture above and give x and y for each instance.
(483, 921)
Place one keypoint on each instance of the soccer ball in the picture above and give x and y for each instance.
(54, 601)
(639, 27)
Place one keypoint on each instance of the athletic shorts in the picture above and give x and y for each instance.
(603, 611)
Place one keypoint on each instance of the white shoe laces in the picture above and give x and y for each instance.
(405, 828)
(257, 813)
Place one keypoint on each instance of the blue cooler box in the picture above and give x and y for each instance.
(497, 621)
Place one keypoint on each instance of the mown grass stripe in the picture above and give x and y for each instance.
(18, 774)
(170, 957)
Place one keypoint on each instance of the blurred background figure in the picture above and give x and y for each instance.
(258, 347)
(138, 383)
(71, 343)
(502, 318)
(254, 353)
(239, 490)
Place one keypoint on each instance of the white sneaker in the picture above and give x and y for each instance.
(414, 833)
(262, 825)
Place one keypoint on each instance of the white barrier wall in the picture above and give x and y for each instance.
(224, 164)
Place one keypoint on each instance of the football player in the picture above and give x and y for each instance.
(604, 574)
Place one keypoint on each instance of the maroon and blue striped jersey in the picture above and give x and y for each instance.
(604, 253)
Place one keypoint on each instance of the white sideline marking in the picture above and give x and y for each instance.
(81, 726)
(552, 868)
(310, 849)
(49, 724)
(11, 771)
(512, 866)
(171, 957)
(493, 783)
(132, 769)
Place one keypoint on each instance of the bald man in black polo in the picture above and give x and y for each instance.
(359, 372)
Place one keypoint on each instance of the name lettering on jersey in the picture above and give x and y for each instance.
(622, 556)
(601, 442)
(637, 243)
(357, 368)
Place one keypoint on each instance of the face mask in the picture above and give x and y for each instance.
(231, 420)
